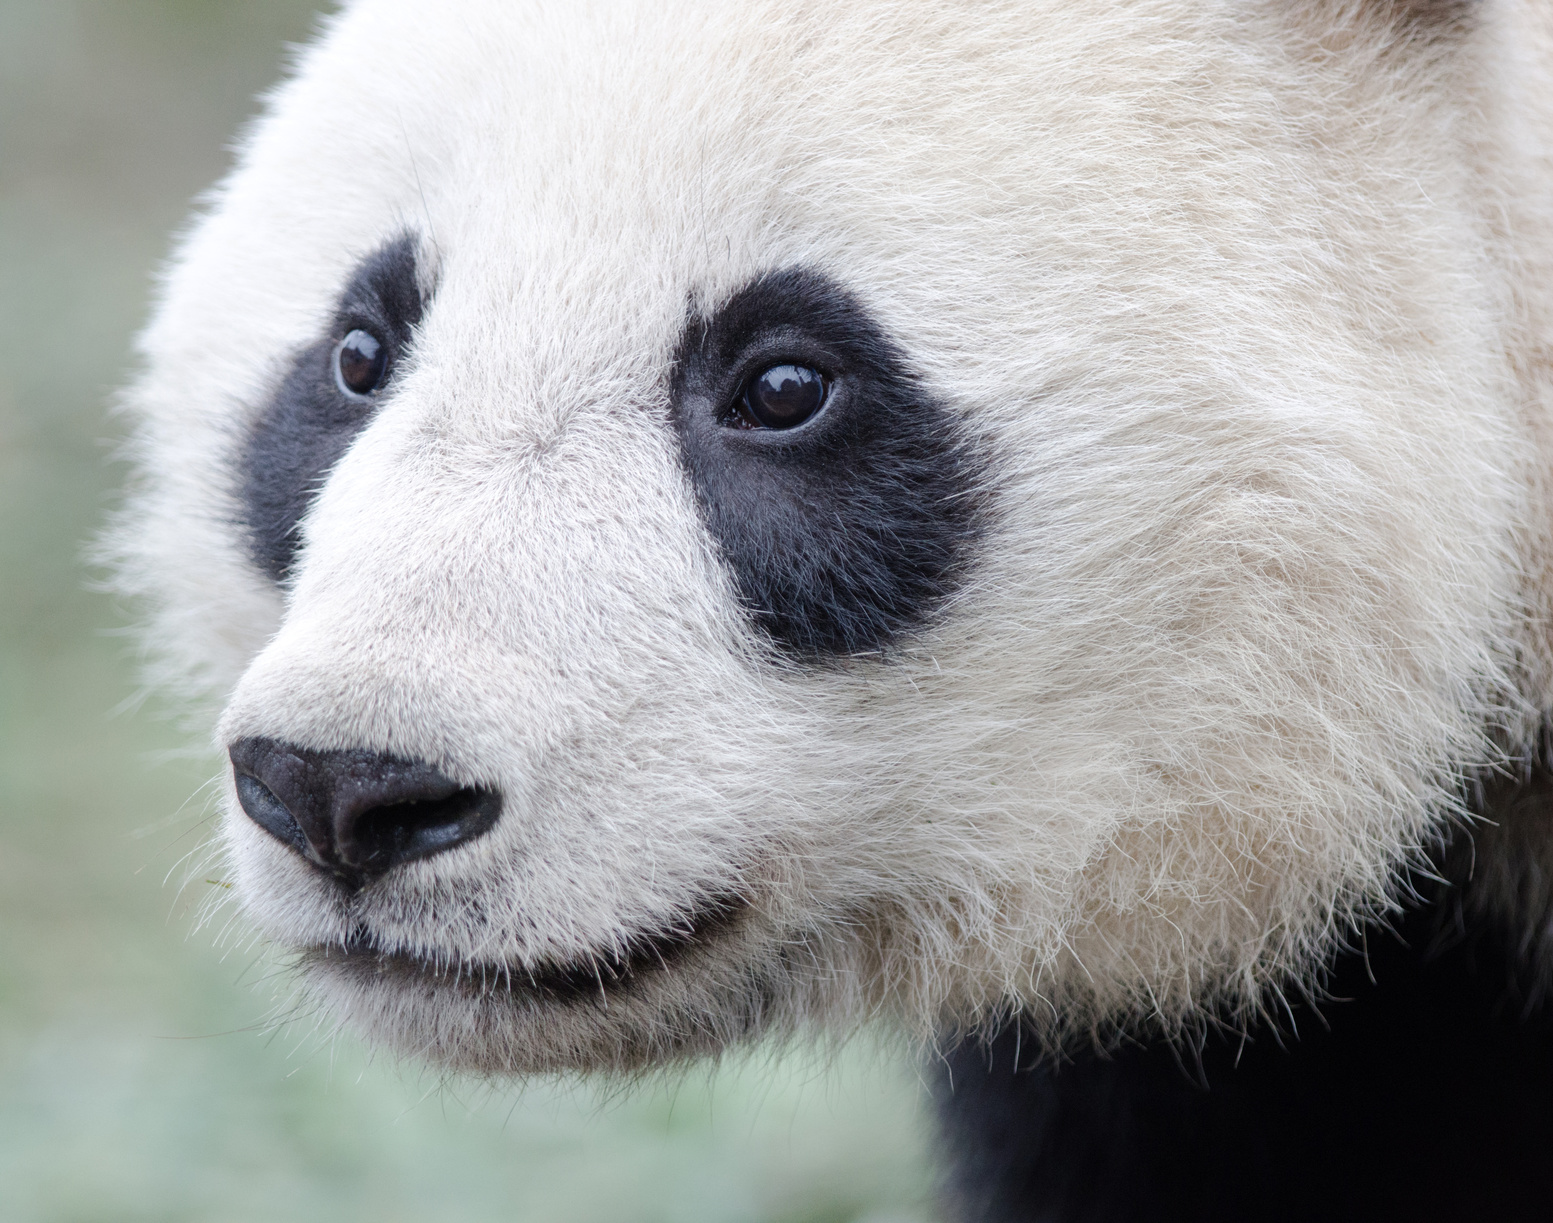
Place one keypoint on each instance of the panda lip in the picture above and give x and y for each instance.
(590, 976)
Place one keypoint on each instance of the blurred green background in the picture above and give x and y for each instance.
(138, 1078)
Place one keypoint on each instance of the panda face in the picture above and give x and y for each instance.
(722, 518)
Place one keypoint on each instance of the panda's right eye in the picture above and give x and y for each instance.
(360, 362)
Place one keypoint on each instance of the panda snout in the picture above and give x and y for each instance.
(356, 813)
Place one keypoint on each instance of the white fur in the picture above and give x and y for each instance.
(1244, 298)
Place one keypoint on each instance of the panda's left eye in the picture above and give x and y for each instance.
(360, 362)
(781, 397)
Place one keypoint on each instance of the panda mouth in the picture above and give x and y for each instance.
(592, 976)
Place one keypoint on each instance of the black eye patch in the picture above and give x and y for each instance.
(327, 397)
(849, 529)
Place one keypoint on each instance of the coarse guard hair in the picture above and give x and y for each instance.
(714, 519)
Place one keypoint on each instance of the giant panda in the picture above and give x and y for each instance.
(1026, 523)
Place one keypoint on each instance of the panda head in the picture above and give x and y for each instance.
(705, 519)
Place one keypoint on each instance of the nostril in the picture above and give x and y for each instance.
(264, 809)
(356, 813)
(401, 831)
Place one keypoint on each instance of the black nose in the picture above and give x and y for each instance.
(356, 813)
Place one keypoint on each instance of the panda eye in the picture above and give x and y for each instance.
(780, 397)
(360, 362)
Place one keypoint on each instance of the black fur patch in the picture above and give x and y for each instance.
(851, 530)
(310, 423)
(1422, 1091)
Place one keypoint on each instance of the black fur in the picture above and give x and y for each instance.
(1422, 1091)
(310, 423)
(851, 530)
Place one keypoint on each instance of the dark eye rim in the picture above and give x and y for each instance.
(384, 347)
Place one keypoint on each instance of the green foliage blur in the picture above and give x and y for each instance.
(141, 1075)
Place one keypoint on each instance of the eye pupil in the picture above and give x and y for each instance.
(360, 362)
(784, 396)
